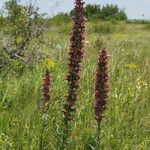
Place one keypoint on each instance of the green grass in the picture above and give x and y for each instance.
(127, 122)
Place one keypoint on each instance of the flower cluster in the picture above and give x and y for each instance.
(46, 90)
(101, 85)
(75, 57)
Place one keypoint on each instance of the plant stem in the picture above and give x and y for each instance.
(98, 135)
(42, 131)
(65, 135)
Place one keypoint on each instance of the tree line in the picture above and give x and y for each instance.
(96, 12)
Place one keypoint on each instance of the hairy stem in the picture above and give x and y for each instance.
(98, 135)
(42, 131)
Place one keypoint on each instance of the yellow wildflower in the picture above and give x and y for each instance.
(49, 64)
(19, 40)
(131, 66)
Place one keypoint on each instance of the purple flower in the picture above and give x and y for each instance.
(101, 85)
(75, 58)
(45, 90)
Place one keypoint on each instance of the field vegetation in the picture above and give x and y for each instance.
(127, 122)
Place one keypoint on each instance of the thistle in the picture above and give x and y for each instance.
(74, 61)
(101, 90)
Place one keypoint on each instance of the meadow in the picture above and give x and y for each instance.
(127, 122)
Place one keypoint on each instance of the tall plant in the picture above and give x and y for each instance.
(45, 103)
(74, 64)
(101, 90)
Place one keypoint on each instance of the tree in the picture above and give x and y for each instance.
(93, 11)
(110, 12)
(107, 12)
(23, 25)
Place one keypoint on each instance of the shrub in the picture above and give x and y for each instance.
(23, 25)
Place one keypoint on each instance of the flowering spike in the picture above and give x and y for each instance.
(46, 90)
(75, 58)
(101, 85)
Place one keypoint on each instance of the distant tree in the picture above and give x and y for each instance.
(93, 11)
(107, 12)
(110, 12)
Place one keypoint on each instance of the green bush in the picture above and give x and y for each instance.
(23, 26)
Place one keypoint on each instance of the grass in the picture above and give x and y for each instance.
(126, 125)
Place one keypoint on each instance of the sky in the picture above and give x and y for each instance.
(135, 9)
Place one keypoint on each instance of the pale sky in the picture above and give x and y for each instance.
(135, 9)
